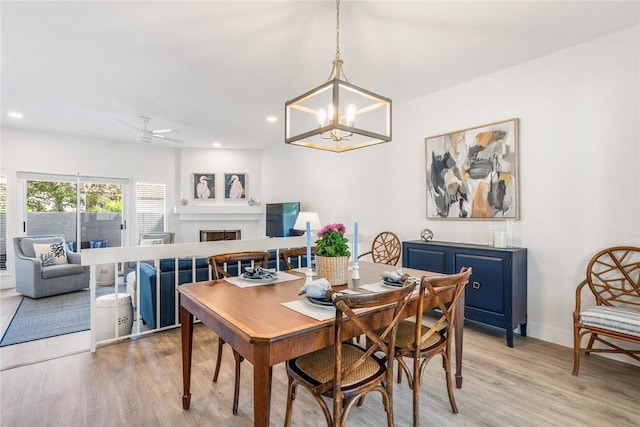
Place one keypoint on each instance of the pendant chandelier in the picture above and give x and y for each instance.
(337, 115)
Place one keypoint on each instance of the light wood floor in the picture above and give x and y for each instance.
(139, 383)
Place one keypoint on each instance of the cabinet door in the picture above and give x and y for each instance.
(424, 257)
(486, 285)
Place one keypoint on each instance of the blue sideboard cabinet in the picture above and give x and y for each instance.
(497, 291)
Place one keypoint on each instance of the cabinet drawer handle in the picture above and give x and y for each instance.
(476, 285)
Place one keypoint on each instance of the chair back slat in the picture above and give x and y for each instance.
(386, 248)
(220, 262)
(442, 292)
(287, 254)
(613, 275)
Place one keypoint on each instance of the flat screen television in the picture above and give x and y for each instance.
(280, 218)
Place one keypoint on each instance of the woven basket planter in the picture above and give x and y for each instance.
(333, 268)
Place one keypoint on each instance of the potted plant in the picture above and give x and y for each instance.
(332, 254)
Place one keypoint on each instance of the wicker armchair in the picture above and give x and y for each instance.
(219, 264)
(385, 249)
(613, 277)
(345, 372)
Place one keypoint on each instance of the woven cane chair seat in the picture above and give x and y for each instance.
(320, 365)
(407, 332)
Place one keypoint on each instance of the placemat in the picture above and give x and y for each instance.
(281, 276)
(379, 287)
(303, 270)
(317, 312)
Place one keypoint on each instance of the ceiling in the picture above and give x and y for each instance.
(216, 69)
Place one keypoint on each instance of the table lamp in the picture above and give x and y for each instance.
(304, 217)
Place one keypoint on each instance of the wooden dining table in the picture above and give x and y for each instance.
(256, 324)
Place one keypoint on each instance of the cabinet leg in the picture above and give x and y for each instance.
(523, 329)
(510, 336)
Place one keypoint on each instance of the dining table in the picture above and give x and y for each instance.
(261, 324)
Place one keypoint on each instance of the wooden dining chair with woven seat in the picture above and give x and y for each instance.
(386, 248)
(286, 255)
(436, 292)
(221, 264)
(345, 372)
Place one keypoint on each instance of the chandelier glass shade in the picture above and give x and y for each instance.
(337, 115)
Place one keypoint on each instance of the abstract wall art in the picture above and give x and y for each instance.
(473, 173)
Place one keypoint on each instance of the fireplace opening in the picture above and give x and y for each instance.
(216, 235)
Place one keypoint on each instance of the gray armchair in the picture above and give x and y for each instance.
(36, 281)
(164, 238)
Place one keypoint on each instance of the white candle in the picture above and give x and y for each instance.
(355, 242)
(308, 244)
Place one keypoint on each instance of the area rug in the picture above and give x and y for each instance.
(52, 316)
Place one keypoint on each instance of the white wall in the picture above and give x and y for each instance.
(579, 155)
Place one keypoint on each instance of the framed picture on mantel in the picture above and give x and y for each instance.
(204, 186)
(235, 186)
(473, 173)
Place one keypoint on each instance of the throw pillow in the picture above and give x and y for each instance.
(50, 253)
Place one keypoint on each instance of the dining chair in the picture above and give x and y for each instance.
(444, 294)
(287, 254)
(221, 265)
(386, 248)
(346, 372)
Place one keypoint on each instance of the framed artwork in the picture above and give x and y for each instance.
(473, 173)
(204, 186)
(235, 186)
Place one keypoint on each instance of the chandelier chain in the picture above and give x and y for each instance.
(337, 29)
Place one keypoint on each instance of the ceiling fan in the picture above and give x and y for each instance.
(146, 135)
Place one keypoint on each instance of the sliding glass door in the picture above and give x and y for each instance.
(51, 207)
(101, 218)
(87, 211)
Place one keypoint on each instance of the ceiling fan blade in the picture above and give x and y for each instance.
(158, 131)
(128, 124)
(165, 138)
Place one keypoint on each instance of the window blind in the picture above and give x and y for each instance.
(150, 208)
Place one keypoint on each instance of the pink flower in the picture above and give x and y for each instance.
(339, 228)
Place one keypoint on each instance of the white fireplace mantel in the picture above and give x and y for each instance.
(219, 212)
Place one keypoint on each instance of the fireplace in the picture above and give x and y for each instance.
(216, 235)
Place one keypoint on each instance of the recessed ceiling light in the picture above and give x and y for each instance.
(217, 144)
(272, 119)
(15, 115)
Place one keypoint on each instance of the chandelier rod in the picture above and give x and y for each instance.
(337, 29)
(337, 71)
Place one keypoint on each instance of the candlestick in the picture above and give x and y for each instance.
(355, 271)
(308, 275)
